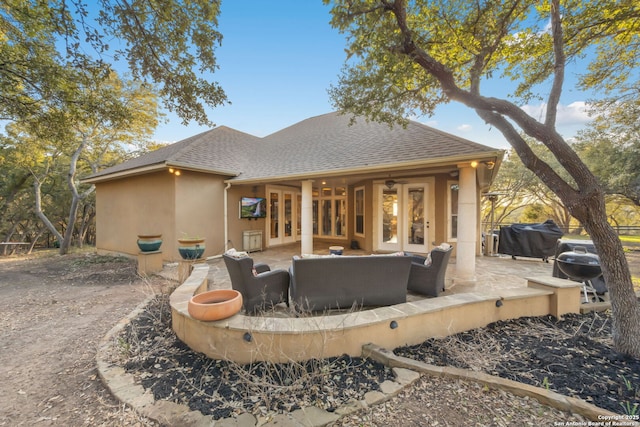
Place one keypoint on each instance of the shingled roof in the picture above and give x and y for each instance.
(321, 144)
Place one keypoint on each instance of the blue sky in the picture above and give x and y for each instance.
(278, 59)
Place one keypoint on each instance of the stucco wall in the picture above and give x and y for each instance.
(199, 201)
(175, 206)
(237, 225)
(138, 205)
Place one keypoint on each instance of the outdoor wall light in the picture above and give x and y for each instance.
(247, 337)
(177, 173)
(474, 164)
(499, 303)
(490, 165)
(389, 183)
(170, 170)
(393, 324)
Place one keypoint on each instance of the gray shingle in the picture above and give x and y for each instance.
(318, 144)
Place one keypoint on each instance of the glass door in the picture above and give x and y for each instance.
(389, 219)
(416, 228)
(402, 218)
(274, 217)
(283, 218)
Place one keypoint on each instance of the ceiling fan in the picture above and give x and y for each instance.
(390, 183)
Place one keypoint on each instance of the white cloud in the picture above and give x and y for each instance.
(431, 123)
(572, 114)
(465, 128)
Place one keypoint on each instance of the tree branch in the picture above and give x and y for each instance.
(559, 66)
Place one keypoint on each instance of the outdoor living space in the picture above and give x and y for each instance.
(503, 289)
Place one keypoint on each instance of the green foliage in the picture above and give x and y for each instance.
(50, 49)
(611, 147)
(534, 213)
(55, 148)
(406, 57)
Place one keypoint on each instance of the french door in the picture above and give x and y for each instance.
(282, 218)
(403, 218)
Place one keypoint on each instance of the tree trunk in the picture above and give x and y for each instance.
(68, 233)
(35, 240)
(584, 200)
(41, 215)
(76, 197)
(615, 269)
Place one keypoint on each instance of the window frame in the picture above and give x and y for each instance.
(355, 211)
(450, 214)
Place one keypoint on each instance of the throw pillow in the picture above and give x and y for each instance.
(236, 254)
(427, 261)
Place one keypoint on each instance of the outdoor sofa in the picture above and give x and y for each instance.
(341, 282)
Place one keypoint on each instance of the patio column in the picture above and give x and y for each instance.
(306, 239)
(467, 225)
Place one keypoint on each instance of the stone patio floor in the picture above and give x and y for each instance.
(492, 272)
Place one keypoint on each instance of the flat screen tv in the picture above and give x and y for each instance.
(253, 207)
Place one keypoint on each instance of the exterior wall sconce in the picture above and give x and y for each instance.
(488, 163)
(389, 183)
(176, 172)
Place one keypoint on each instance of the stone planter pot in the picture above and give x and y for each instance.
(215, 305)
(191, 248)
(149, 242)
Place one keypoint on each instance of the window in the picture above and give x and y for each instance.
(330, 210)
(359, 211)
(453, 188)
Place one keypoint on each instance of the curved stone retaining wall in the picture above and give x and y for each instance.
(245, 339)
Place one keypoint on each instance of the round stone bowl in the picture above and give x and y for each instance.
(215, 305)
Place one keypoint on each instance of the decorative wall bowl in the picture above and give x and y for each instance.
(149, 242)
(215, 305)
(191, 248)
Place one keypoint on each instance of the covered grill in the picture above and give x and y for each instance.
(529, 240)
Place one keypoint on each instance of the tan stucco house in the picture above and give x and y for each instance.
(323, 180)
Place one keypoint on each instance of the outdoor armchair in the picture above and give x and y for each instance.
(429, 279)
(260, 287)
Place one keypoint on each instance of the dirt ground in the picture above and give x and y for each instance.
(53, 313)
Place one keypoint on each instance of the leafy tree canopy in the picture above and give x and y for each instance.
(408, 56)
(48, 47)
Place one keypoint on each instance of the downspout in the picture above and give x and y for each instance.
(226, 221)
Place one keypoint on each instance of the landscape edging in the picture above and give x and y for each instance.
(544, 396)
(122, 386)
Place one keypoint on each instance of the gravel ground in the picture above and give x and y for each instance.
(571, 356)
(55, 310)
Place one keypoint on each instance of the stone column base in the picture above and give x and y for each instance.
(149, 262)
